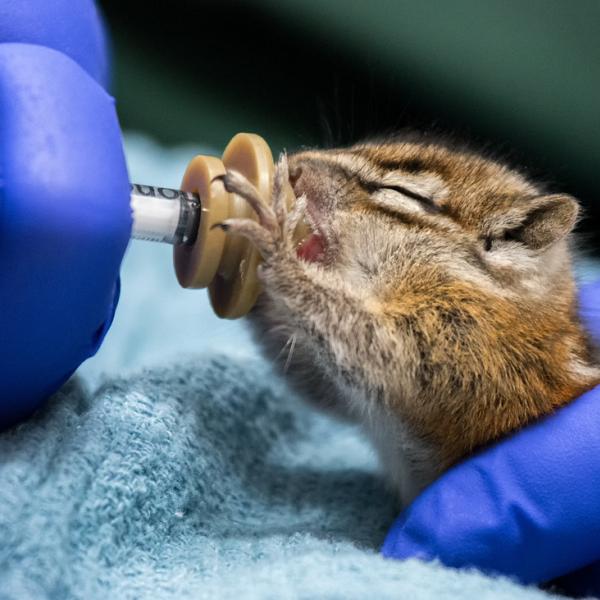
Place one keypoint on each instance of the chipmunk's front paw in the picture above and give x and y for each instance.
(273, 233)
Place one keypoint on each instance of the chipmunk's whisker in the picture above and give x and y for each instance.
(290, 352)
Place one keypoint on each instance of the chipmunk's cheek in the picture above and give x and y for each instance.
(312, 248)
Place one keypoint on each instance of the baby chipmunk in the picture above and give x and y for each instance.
(434, 303)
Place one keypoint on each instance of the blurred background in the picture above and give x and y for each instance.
(521, 78)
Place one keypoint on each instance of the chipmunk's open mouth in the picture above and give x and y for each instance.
(315, 231)
(312, 249)
(314, 245)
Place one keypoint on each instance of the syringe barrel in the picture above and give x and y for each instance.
(164, 214)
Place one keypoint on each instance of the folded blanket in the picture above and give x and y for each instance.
(201, 480)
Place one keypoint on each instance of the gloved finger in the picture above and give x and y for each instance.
(526, 507)
(64, 224)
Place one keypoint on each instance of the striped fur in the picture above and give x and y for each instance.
(443, 313)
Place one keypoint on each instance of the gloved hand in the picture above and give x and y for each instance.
(64, 199)
(527, 507)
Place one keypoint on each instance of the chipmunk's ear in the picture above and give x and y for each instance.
(545, 220)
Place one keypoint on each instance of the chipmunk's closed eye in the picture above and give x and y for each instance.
(426, 202)
(406, 192)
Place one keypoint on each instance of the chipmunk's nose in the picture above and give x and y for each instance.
(309, 178)
(295, 172)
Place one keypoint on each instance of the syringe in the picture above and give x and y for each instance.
(164, 215)
(203, 255)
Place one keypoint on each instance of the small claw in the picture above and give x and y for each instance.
(252, 231)
(224, 226)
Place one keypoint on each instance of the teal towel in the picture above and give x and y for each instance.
(201, 480)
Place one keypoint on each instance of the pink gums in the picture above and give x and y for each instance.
(312, 248)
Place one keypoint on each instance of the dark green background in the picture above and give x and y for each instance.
(521, 77)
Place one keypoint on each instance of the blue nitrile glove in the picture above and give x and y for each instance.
(64, 221)
(72, 27)
(527, 507)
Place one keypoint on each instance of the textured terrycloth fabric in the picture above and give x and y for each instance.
(168, 472)
(200, 480)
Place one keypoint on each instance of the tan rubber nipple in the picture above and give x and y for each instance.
(226, 264)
